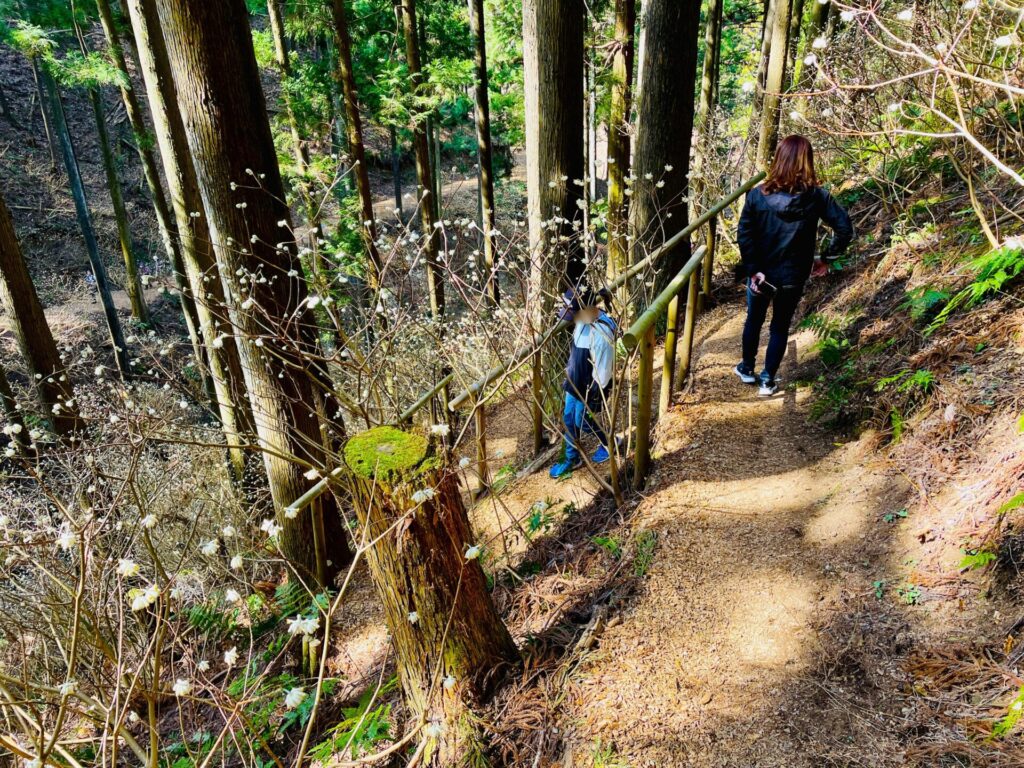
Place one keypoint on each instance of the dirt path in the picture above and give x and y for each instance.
(765, 530)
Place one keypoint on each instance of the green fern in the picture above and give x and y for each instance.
(992, 272)
(210, 619)
(360, 728)
(922, 301)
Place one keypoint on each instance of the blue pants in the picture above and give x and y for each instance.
(579, 421)
(784, 303)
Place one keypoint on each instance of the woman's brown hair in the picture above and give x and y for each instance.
(793, 167)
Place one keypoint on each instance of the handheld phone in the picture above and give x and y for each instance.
(766, 289)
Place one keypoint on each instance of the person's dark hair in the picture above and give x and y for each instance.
(584, 296)
(793, 167)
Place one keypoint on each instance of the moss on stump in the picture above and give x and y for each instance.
(388, 454)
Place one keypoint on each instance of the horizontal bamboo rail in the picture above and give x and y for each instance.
(641, 330)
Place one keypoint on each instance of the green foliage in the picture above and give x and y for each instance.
(541, 517)
(923, 301)
(836, 392)
(976, 558)
(645, 542)
(909, 594)
(879, 587)
(899, 514)
(45, 14)
(384, 451)
(183, 753)
(29, 39)
(210, 619)
(605, 756)
(832, 344)
(1006, 723)
(920, 381)
(291, 597)
(360, 728)
(609, 544)
(992, 272)
(897, 422)
(263, 45)
(1015, 503)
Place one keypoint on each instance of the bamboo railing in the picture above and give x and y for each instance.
(639, 334)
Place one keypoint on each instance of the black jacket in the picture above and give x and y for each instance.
(778, 233)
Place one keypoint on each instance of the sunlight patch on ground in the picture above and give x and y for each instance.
(769, 624)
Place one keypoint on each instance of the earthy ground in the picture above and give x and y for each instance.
(764, 525)
(788, 617)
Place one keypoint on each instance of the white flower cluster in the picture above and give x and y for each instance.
(423, 495)
(300, 625)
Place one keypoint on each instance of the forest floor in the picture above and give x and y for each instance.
(802, 606)
(767, 530)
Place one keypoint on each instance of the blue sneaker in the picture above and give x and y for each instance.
(601, 456)
(563, 468)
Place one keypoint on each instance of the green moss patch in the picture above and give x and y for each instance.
(385, 452)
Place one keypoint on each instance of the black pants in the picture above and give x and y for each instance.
(784, 303)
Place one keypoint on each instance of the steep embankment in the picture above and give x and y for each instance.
(836, 579)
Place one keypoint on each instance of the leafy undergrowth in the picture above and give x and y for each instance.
(919, 349)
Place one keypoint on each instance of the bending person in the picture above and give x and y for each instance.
(589, 374)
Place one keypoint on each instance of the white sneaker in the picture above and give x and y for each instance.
(768, 387)
(746, 378)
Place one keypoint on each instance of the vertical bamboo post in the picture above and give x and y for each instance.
(668, 366)
(691, 318)
(645, 385)
(538, 403)
(709, 263)
(480, 419)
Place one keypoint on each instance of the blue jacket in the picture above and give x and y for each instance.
(591, 367)
(778, 233)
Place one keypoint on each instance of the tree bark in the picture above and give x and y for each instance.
(224, 113)
(426, 201)
(619, 144)
(201, 274)
(553, 74)
(754, 125)
(275, 10)
(143, 143)
(795, 21)
(803, 75)
(132, 281)
(664, 129)
(774, 84)
(357, 151)
(590, 123)
(450, 643)
(99, 271)
(396, 171)
(16, 424)
(706, 131)
(51, 142)
(485, 149)
(25, 314)
(708, 94)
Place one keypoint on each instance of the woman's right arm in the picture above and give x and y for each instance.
(842, 228)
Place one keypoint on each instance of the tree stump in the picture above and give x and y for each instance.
(450, 642)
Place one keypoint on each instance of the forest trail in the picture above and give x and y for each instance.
(765, 536)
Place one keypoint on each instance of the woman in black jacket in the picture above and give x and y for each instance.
(777, 235)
